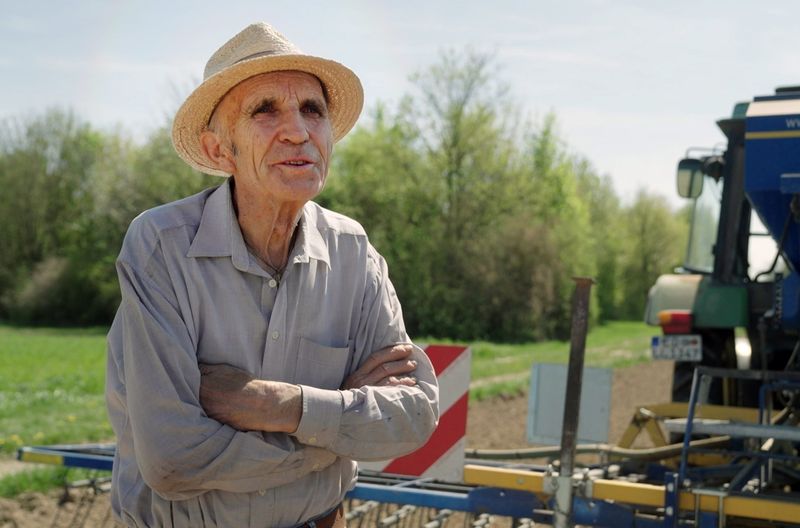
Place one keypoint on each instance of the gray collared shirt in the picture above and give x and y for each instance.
(192, 292)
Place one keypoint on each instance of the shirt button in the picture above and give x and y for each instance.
(312, 440)
(262, 492)
(275, 334)
(273, 283)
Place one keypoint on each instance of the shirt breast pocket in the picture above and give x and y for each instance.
(321, 366)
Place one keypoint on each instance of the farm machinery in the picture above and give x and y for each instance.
(724, 452)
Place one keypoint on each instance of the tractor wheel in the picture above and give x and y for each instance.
(719, 350)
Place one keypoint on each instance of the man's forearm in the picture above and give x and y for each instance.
(283, 406)
(233, 397)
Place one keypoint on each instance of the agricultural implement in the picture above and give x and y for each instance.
(725, 451)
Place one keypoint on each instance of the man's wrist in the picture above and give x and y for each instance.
(282, 406)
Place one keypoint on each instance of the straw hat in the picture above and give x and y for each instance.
(257, 49)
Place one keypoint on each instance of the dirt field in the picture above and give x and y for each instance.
(494, 424)
(500, 423)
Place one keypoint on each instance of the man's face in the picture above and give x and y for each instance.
(280, 135)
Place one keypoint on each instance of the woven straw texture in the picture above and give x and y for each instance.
(255, 50)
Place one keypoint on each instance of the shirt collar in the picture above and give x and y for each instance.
(219, 234)
(309, 243)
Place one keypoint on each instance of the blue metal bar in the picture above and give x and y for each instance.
(693, 395)
(766, 375)
(671, 494)
(749, 454)
(708, 520)
(65, 457)
(417, 497)
(601, 513)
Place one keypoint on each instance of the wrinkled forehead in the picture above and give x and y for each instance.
(277, 84)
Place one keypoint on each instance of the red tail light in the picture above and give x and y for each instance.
(675, 321)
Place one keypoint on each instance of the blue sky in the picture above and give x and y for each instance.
(633, 84)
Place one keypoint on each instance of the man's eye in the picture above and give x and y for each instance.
(312, 108)
(266, 108)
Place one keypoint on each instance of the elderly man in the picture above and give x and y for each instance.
(259, 348)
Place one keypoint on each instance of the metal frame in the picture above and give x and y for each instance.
(649, 497)
(760, 430)
(517, 493)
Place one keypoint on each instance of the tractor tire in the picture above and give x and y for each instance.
(719, 350)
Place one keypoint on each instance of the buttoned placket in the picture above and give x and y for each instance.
(275, 320)
(269, 292)
(262, 511)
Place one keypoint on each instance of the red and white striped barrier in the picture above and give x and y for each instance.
(442, 457)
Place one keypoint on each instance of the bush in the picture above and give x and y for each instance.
(59, 290)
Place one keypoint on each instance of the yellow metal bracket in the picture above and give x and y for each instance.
(639, 494)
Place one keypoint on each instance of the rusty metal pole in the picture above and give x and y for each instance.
(572, 401)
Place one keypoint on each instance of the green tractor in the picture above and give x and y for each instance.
(735, 302)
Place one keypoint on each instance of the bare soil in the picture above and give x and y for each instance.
(498, 423)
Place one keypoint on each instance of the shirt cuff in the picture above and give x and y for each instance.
(322, 414)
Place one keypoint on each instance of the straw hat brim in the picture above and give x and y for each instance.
(342, 86)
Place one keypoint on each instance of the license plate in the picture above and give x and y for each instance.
(678, 347)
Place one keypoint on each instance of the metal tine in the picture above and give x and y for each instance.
(439, 520)
(468, 520)
(84, 506)
(397, 516)
(484, 520)
(360, 510)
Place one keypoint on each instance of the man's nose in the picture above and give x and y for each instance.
(293, 127)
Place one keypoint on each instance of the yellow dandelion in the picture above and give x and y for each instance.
(71, 418)
(38, 436)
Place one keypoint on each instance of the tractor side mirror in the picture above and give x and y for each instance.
(690, 178)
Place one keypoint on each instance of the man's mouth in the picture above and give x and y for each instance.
(296, 163)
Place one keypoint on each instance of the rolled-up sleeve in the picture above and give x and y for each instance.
(373, 423)
(153, 393)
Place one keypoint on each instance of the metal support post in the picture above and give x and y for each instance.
(671, 494)
(569, 433)
(693, 398)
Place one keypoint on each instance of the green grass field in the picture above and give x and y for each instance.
(51, 387)
(504, 369)
(51, 381)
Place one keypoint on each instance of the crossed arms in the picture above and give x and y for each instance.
(194, 428)
(234, 397)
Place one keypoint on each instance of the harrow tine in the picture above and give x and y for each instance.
(397, 516)
(439, 520)
(484, 520)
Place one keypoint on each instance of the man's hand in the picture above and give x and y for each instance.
(234, 397)
(388, 366)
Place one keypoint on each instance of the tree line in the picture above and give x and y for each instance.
(482, 213)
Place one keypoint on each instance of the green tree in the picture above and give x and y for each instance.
(45, 168)
(655, 241)
(481, 228)
(605, 237)
(555, 199)
(70, 192)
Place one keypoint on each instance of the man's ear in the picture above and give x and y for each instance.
(217, 153)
